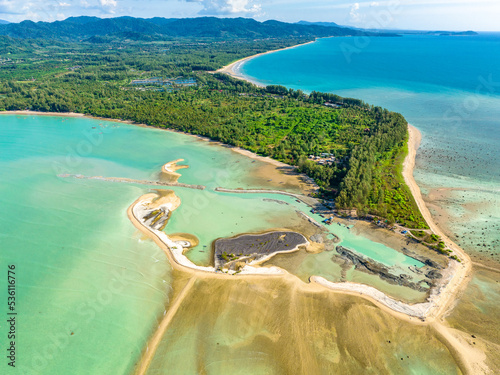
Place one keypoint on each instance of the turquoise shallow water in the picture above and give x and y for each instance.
(89, 287)
(448, 87)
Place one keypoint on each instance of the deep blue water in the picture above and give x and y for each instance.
(448, 87)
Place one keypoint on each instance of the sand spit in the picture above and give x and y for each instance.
(147, 357)
(426, 311)
(138, 213)
(419, 310)
(169, 170)
(440, 297)
(132, 181)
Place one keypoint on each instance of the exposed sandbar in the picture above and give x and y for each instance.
(138, 213)
(169, 170)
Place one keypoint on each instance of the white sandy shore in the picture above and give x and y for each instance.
(171, 168)
(419, 310)
(174, 251)
(29, 113)
(461, 271)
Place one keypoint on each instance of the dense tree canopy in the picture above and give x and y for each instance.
(367, 142)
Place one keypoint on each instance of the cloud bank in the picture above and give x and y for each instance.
(227, 7)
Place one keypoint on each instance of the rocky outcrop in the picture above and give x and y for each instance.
(370, 266)
(433, 275)
(421, 258)
(251, 247)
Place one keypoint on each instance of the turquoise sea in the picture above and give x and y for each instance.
(446, 86)
(89, 288)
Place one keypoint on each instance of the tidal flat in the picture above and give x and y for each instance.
(283, 326)
(77, 236)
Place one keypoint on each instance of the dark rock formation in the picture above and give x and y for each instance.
(248, 247)
(433, 274)
(373, 267)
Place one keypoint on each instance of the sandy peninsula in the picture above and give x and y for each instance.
(170, 169)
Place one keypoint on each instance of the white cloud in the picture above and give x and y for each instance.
(108, 6)
(354, 13)
(9, 7)
(108, 3)
(374, 4)
(214, 7)
(64, 5)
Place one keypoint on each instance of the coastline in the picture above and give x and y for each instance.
(303, 182)
(233, 68)
(447, 295)
(463, 271)
(451, 290)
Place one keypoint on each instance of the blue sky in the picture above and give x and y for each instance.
(480, 15)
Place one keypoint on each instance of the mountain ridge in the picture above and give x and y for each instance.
(84, 27)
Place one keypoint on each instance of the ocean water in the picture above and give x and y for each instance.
(448, 87)
(90, 288)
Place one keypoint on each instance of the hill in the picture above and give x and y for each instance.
(81, 28)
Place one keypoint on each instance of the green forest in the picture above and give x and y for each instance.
(95, 77)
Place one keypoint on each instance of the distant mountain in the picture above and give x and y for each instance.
(326, 24)
(383, 31)
(2, 22)
(451, 33)
(82, 28)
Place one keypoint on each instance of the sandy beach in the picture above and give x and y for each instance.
(454, 276)
(29, 113)
(233, 69)
(469, 359)
(170, 169)
(462, 272)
